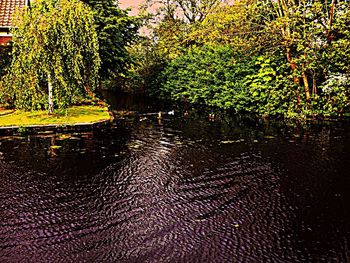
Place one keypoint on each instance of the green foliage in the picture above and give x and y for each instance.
(282, 58)
(5, 58)
(336, 91)
(207, 75)
(56, 42)
(5, 61)
(147, 65)
(217, 76)
(116, 31)
(175, 23)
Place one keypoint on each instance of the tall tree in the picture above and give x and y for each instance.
(116, 31)
(55, 55)
(189, 11)
(304, 30)
(172, 21)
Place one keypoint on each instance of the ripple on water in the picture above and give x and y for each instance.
(172, 198)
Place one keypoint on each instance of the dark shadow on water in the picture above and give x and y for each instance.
(186, 188)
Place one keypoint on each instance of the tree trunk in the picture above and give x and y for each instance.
(294, 69)
(330, 21)
(50, 94)
(293, 66)
(314, 84)
(306, 83)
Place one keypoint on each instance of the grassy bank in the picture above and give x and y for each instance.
(73, 115)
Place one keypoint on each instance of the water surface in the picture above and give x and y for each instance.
(181, 189)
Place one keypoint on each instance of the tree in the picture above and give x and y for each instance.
(146, 67)
(5, 58)
(173, 21)
(189, 11)
(116, 31)
(55, 55)
(229, 24)
(299, 55)
(305, 30)
(5, 62)
(220, 77)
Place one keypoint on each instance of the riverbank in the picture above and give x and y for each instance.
(75, 115)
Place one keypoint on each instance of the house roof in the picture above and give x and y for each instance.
(7, 9)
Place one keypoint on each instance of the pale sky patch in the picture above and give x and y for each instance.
(134, 4)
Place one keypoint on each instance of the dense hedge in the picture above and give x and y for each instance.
(259, 84)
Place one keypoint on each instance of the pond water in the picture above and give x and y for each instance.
(181, 189)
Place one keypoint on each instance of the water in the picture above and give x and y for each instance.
(183, 189)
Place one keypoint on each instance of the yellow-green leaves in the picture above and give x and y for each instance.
(56, 38)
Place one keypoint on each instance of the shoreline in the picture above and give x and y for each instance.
(54, 128)
(77, 118)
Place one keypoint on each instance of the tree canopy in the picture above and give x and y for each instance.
(116, 31)
(55, 55)
(298, 55)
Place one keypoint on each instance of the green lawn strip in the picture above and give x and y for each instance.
(5, 112)
(73, 115)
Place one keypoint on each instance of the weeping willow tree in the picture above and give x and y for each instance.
(55, 55)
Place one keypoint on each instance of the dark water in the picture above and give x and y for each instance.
(185, 189)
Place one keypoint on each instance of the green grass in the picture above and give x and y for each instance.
(73, 115)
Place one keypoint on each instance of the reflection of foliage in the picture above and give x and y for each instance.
(22, 130)
(54, 42)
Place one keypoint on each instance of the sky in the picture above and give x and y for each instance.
(130, 3)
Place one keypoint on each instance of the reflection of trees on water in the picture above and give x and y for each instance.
(179, 189)
(76, 153)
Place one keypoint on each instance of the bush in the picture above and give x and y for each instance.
(5, 58)
(219, 77)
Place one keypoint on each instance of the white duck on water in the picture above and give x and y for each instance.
(159, 114)
(159, 117)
